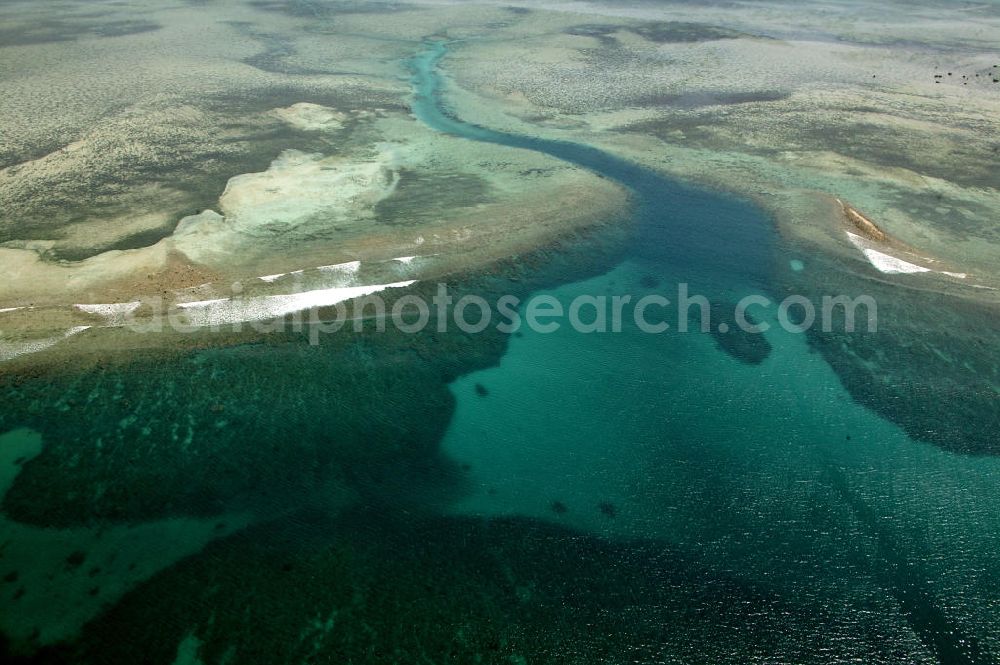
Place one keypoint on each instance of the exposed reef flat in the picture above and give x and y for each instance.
(175, 172)
(110, 198)
(239, 140)
(310, 210)
(817, 116)
(770, 107)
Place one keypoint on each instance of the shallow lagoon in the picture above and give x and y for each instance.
(600, 497)
(771, 469)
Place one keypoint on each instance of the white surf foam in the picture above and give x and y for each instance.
(890, 264)
(229, 311)
(350, 267)
(10, 350)
(114, 313)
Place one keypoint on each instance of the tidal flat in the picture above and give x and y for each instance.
(217, 492)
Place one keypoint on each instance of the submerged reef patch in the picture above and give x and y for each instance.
(930, 367)
(326, 8)
(372, 587)
(74, 27)
(264, 421)
(659, 32)
(749, 348)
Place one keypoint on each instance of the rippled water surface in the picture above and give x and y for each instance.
(559, 498)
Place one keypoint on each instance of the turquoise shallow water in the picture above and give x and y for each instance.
(540, 498)
(715, 242)
(772, 470)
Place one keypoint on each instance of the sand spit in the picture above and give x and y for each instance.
(884, 262)
(890, 264)
(312, 117)
(875, 243)
(863, 225)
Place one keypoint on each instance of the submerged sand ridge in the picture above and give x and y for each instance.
(81, 570)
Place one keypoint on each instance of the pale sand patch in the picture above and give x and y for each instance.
(114, 314)
(312, 117)
(31, 279)
(298, 196)
(891, 264)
